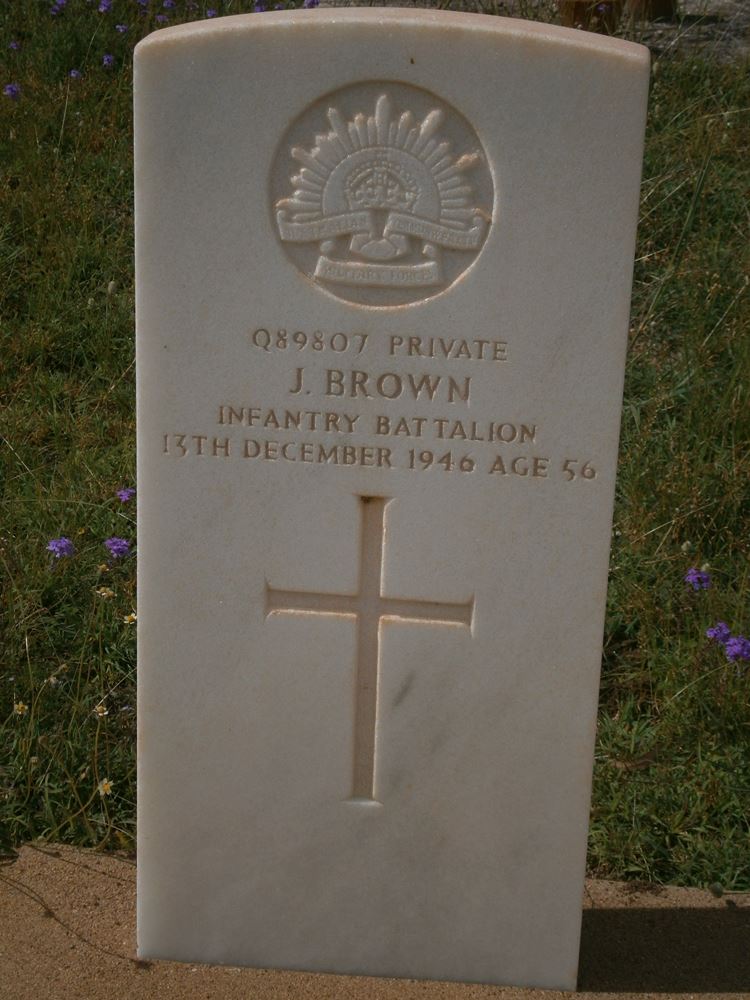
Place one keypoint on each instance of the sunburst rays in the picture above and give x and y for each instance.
(381, 132)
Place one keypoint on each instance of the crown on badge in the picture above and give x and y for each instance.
(381, 185)
(382, 161)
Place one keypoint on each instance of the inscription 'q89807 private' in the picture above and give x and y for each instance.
(382, 313)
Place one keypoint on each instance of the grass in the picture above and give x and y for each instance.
(672, 772)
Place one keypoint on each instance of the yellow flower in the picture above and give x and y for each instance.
(105, 592)
(104, 787)
(129, 619)
(20, 708)
(101, 710)
(103, 568)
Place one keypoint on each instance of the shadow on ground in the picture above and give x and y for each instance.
(666, 951)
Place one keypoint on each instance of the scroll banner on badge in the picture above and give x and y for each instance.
(379, 275)
(350, 223)
(323, 229)
(433, 232)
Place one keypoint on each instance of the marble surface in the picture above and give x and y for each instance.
(383, 279)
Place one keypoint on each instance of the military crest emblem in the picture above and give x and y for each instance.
(387, 205)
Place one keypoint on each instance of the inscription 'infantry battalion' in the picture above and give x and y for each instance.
(386, 199)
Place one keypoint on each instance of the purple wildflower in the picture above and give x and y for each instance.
(311, 3)
(142, 3)
(105, 6)
(57, 7)
(118, 547)
(161, 19)
(719, 633)
(121, 28)
(75, 74)
(738, 647)
(698, 579)
(61, 547)
(108, 60)
(12, 90)
(211, 12)
(259, 8)
(127, 493)
(169, 4)
(13, 44)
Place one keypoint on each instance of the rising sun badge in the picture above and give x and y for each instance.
(394, 203)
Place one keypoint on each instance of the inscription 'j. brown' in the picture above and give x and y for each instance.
(371, 610)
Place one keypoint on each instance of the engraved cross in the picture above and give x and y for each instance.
(371, 609)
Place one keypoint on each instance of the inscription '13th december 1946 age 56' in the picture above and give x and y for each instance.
(451, 442)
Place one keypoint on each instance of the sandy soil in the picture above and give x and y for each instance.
(67, 931)
(709, 29)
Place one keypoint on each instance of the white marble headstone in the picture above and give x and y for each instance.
(384, 263)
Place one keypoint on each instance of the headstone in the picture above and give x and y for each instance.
(384, 263)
